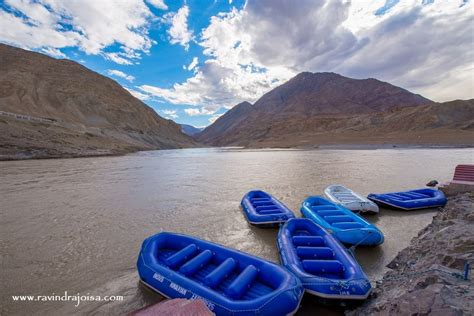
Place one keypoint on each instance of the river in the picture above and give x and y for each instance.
(76, 225)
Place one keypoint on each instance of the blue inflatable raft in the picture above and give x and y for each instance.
(343, 224)
(229, 281)
(321, 262)
(262, 209)
(410, 200)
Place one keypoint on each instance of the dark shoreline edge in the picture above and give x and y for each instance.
(13, 158)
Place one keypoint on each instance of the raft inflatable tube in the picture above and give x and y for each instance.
(262, 209)
(343, 224)
(230, 282)
(410, 200)
(323, 265)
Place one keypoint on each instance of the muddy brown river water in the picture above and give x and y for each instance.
(76, 225)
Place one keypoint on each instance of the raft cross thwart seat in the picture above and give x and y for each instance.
(350, 199)
(230, 282)
(321, 262)
(262, 209)
(343, 224)
(410, 200)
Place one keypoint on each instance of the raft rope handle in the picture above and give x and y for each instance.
(352, 249)
(463, 275)
(467, 268)
(335, 282)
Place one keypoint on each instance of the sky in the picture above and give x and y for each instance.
(192, 60)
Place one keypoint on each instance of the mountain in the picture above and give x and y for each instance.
(327, 108)
(330, 93)
(230, 121)
(450, 123)
(55, 108)
(190, 130)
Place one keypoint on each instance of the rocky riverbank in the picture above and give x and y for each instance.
(426, 276)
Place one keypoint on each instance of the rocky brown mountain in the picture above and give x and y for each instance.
(330, 93)
(54, 108)
(329, 109)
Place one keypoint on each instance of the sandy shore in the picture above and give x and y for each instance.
(426, 276)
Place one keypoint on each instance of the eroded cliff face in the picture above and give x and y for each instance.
(70, 110)
(425, 276)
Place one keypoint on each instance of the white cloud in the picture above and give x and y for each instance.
(116, 58)
(90, 25)
(196, 112)
(30, 34)
(53, 52)
(214, 118)
(35, 13)
(459, 84)
(215, 86)
(138, 94)
(120, 74)
(424, 48)
(179, 32)
(361, 15)
(193, 64)
(170, 114)
(159, 4)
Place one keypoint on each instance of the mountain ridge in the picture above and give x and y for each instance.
(225, 122)
(90, 114)
(320, 93)
(326, 108)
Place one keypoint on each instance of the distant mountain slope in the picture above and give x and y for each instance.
(190, 130)
(230, 121)
(91, 114)
(326, 108)
(450, 123)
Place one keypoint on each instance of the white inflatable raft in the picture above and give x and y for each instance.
(349, 199)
